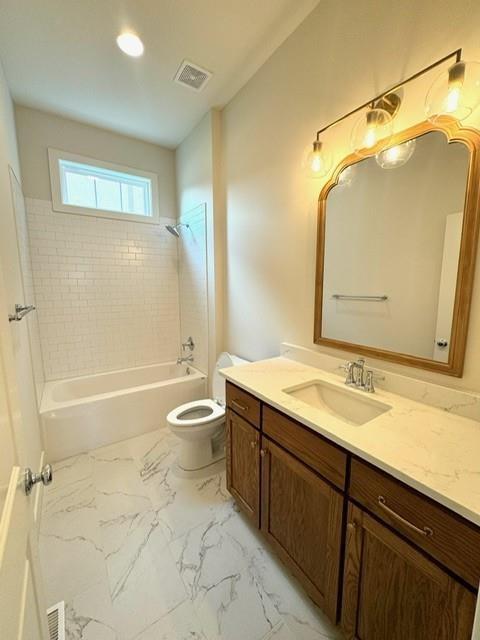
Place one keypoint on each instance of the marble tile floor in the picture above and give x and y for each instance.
(138, 553)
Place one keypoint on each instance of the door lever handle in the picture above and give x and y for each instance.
(31, 479)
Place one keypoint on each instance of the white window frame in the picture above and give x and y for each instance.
(54, 157)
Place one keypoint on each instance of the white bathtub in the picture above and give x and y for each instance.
(83, 413)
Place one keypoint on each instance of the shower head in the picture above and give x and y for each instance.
(173, 228)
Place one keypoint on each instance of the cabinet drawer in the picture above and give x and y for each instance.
(309, 447)
(448, 538)
(244, 404)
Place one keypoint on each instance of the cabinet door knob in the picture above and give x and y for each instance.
(351, 526)
(263, 452)
(253, 444)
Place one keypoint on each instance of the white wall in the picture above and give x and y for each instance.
(198, 182)
(340, 56)
(10, 271)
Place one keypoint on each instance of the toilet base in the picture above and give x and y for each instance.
(197, 474)
(194, 455)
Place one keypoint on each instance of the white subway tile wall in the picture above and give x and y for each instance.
(106, 291)
(193, 284)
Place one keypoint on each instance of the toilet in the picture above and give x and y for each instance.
(200, 425)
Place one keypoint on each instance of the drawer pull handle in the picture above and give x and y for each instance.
(240, 407)
(426, 531)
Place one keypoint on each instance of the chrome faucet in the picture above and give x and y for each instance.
(184, 359)
(358, 377)
(189, 344)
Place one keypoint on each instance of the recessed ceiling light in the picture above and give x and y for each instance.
(130, 44)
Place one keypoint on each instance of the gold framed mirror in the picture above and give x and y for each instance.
(396, 248)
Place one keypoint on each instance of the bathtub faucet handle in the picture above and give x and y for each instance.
(189, 344)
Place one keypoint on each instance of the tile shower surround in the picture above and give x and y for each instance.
(106, 291)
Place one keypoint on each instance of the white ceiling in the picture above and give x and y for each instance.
(61, 56)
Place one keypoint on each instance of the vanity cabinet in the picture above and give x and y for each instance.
(391, 591)
(378, 557)
(302, 519)
(243, 464)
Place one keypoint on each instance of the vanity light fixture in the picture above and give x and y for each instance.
(130, 44)
(455, 93)
(397, 155)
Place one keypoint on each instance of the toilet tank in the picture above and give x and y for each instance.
(218, 382)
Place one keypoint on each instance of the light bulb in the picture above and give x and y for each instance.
(396, 156)
(455, 94)
(130, 44)
(373, 127)
(370, 137)
(453, 99)
(318, 160)
(392, 154)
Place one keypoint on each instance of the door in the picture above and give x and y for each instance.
(393, 592)
(448, 286)
(22, 609)
(302, 519)
(243, 465)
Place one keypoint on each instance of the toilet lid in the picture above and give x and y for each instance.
(195, 413)
(218, 381)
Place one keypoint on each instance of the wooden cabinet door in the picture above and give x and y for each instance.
(391, 591)
(243, 465)
(302, 519)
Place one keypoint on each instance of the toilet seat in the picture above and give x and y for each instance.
(214, 413)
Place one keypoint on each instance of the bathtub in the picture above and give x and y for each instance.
(83, 413)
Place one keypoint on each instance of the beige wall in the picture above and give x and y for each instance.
(343, 54)
(198, 182)
(38, 130)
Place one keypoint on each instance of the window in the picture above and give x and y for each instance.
(91, 187)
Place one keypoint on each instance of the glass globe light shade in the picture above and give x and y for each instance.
(318, 161)
(455, 93)
(345, 177)
(373, 127)
(396, 156)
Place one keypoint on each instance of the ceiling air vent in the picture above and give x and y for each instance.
(192, 76)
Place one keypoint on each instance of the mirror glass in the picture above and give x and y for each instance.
(392, 236)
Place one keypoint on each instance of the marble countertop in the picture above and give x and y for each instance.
(435, 452)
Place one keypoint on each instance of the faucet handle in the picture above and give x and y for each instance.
(369, 387)
(349, 367)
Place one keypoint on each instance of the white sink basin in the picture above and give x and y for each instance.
(345, 404)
